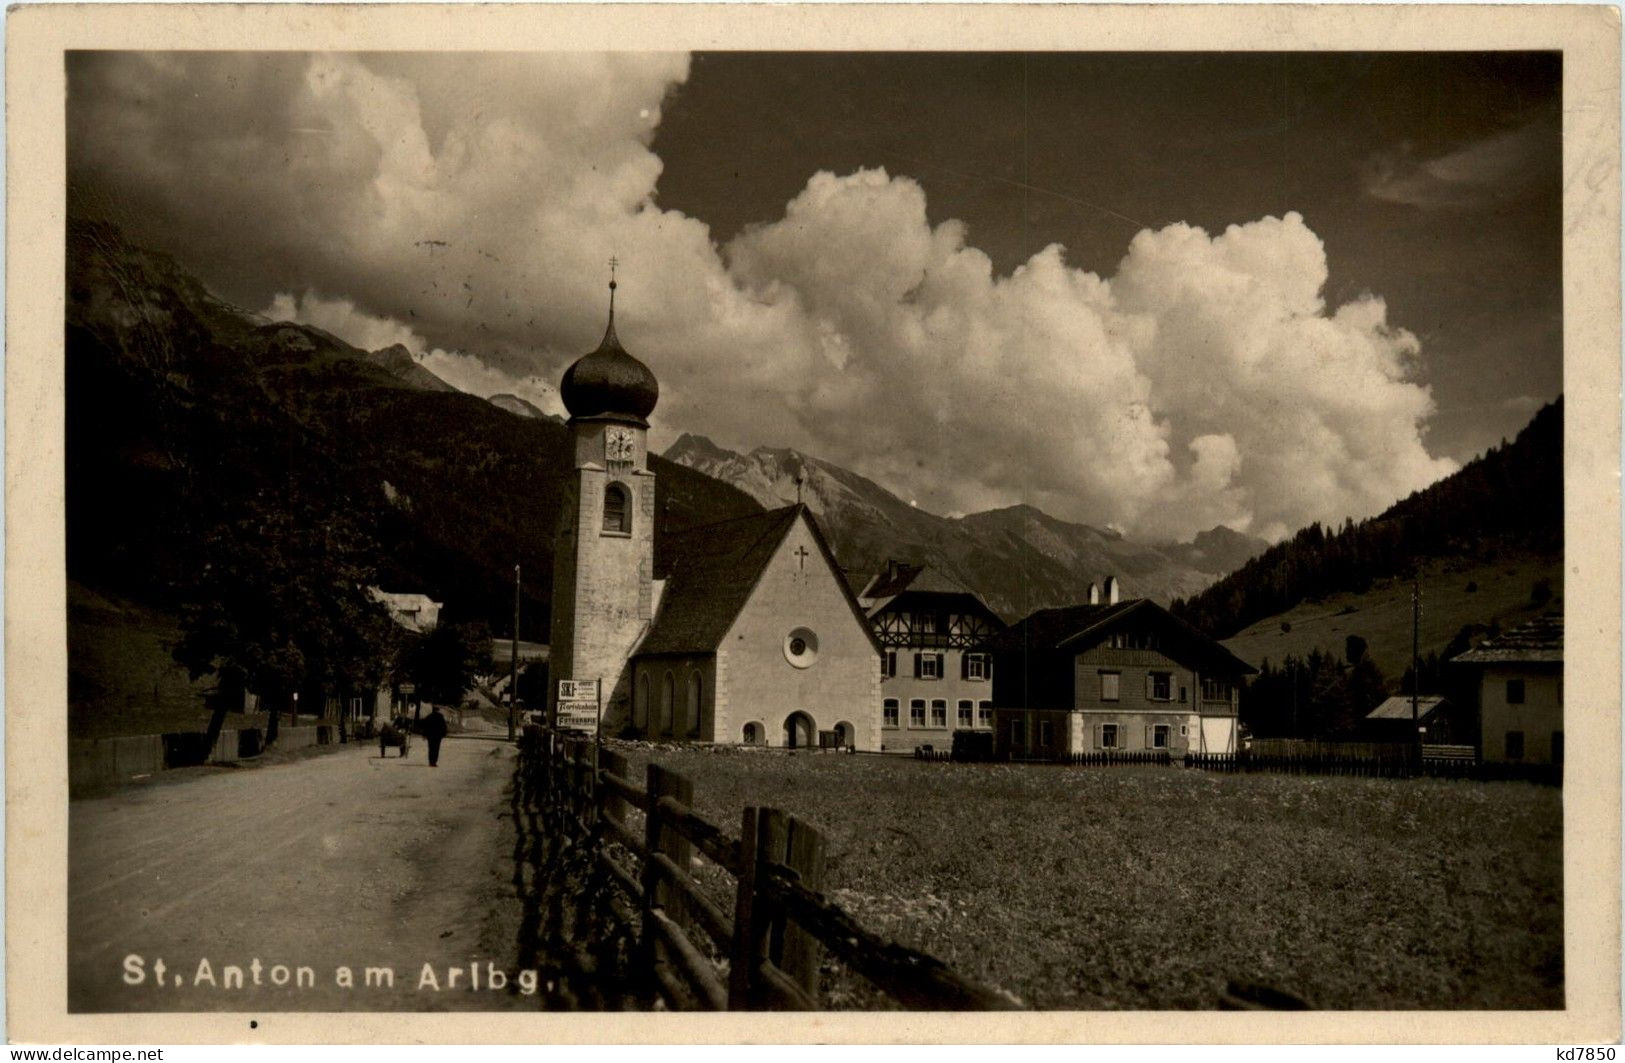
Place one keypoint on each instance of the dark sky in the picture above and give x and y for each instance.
(1089, 149)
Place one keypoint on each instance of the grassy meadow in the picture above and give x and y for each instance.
(1141, 888)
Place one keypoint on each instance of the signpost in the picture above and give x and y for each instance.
(579, 705)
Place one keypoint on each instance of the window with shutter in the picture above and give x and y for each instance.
(918, 658)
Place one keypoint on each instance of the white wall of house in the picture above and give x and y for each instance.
(1521, 703)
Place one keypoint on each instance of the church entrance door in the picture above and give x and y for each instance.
(799, 731)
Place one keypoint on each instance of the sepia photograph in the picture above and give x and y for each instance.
(875, 530)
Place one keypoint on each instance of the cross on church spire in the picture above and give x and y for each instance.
(613, 262)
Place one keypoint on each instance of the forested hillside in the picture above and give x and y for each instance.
(247, 477)
(1510, 498)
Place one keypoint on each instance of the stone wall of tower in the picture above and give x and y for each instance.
(602, 591)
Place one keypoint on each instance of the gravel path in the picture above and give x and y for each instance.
(314, 865)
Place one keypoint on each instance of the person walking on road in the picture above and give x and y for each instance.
(433, 728)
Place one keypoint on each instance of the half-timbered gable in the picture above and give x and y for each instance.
(934, 635)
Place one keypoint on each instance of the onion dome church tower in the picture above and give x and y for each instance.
(603, 556)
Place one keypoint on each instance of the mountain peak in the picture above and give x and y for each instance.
(693, 445)
(398, 362)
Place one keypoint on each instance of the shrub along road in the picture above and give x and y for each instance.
(331, 862)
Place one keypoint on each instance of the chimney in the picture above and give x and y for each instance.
(1094, 594)
(1114, 590)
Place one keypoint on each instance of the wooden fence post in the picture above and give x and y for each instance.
(748, 945)
(656, 839)
(800, 951)
(611, 804)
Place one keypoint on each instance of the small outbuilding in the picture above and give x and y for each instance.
(1436, 717)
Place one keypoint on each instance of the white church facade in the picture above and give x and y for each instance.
(749, 636)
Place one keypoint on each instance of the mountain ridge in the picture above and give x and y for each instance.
(1017, 557)
(170, 390)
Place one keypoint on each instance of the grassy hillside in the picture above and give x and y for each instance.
(1382, 615)
(121, 677)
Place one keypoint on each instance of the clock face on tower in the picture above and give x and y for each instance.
(619, 445)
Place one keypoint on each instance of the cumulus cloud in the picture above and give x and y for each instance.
(466, 205)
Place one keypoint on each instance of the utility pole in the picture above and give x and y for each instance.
(513, 665)
(1416, 667)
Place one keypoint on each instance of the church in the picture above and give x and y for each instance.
(749, 634)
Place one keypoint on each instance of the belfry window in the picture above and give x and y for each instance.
(617, 510)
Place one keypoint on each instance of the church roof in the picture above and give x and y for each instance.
(714, 569)
(609, 382)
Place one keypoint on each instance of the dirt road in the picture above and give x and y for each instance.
(300, 873)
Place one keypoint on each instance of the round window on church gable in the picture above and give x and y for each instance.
(801, 647)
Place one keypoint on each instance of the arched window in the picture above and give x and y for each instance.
(640, 702)
(753, 734)
(694, 704)
(668, 697)
(617, 509)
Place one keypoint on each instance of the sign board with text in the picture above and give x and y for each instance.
(577, 705)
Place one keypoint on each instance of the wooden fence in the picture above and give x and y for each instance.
(1441, 762)
(766, 952)
(1375, 760)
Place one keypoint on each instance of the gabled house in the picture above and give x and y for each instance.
(757, 639)
(1520, 693)
(937, 668)
(1114, 677)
